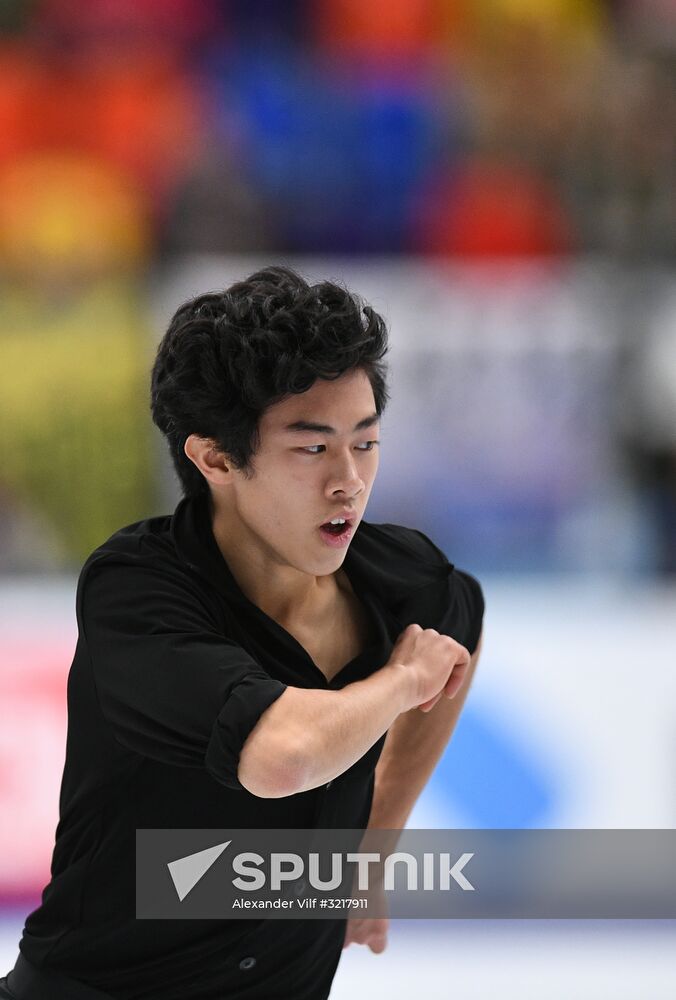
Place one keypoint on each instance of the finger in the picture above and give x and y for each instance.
(413, 627)
(425, 706)
(378, 939)
(464, 657)
(430, 703)
(378, 944)
(455, 681)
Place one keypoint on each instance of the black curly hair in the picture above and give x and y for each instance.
(227, 356)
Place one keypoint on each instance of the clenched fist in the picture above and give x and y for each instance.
(436, 664)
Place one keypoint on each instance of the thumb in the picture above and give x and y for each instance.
(413, 627)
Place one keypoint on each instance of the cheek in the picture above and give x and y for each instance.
(288, 502)
(300, 484)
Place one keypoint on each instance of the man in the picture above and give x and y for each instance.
(261, 658)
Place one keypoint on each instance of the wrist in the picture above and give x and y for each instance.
(405, 684)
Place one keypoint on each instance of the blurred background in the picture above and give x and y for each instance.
(497, 177)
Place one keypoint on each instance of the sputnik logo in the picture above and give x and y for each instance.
(186, 872)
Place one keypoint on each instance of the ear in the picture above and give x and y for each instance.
(211, 462)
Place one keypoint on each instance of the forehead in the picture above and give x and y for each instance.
(341, 403)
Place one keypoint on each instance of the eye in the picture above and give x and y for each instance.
(366, 446)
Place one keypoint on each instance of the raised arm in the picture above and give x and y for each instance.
(320, 734)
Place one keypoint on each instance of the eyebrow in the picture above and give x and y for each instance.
(308, 425)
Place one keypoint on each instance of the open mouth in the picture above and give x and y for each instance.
(336, 528)
(337, 533)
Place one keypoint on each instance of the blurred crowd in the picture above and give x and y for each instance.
(133, 131)
(467, 127)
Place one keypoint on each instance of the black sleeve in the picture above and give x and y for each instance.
(170, 686)
(470, 607)
(463, 610)
(449, 599)
(463, 619)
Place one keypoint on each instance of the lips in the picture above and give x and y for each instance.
(350, 516)
(336, 540)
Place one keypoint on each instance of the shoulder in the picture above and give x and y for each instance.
(138, 569)
(152, 534)
(144, 544)
(399, 558)
(420, 583)
(403, 557)
(409, 543)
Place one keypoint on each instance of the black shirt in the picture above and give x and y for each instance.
(172, 669)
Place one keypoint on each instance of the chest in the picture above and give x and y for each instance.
(337, 639)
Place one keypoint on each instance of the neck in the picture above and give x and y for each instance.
(283, 592)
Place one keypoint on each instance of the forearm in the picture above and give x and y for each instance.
(413, 747)
(309, 736)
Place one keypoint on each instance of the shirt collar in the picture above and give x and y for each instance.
(195, 543)
(375, 556)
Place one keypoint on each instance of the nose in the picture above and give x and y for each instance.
(346, 478)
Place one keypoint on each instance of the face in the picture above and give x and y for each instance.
(304, 476)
